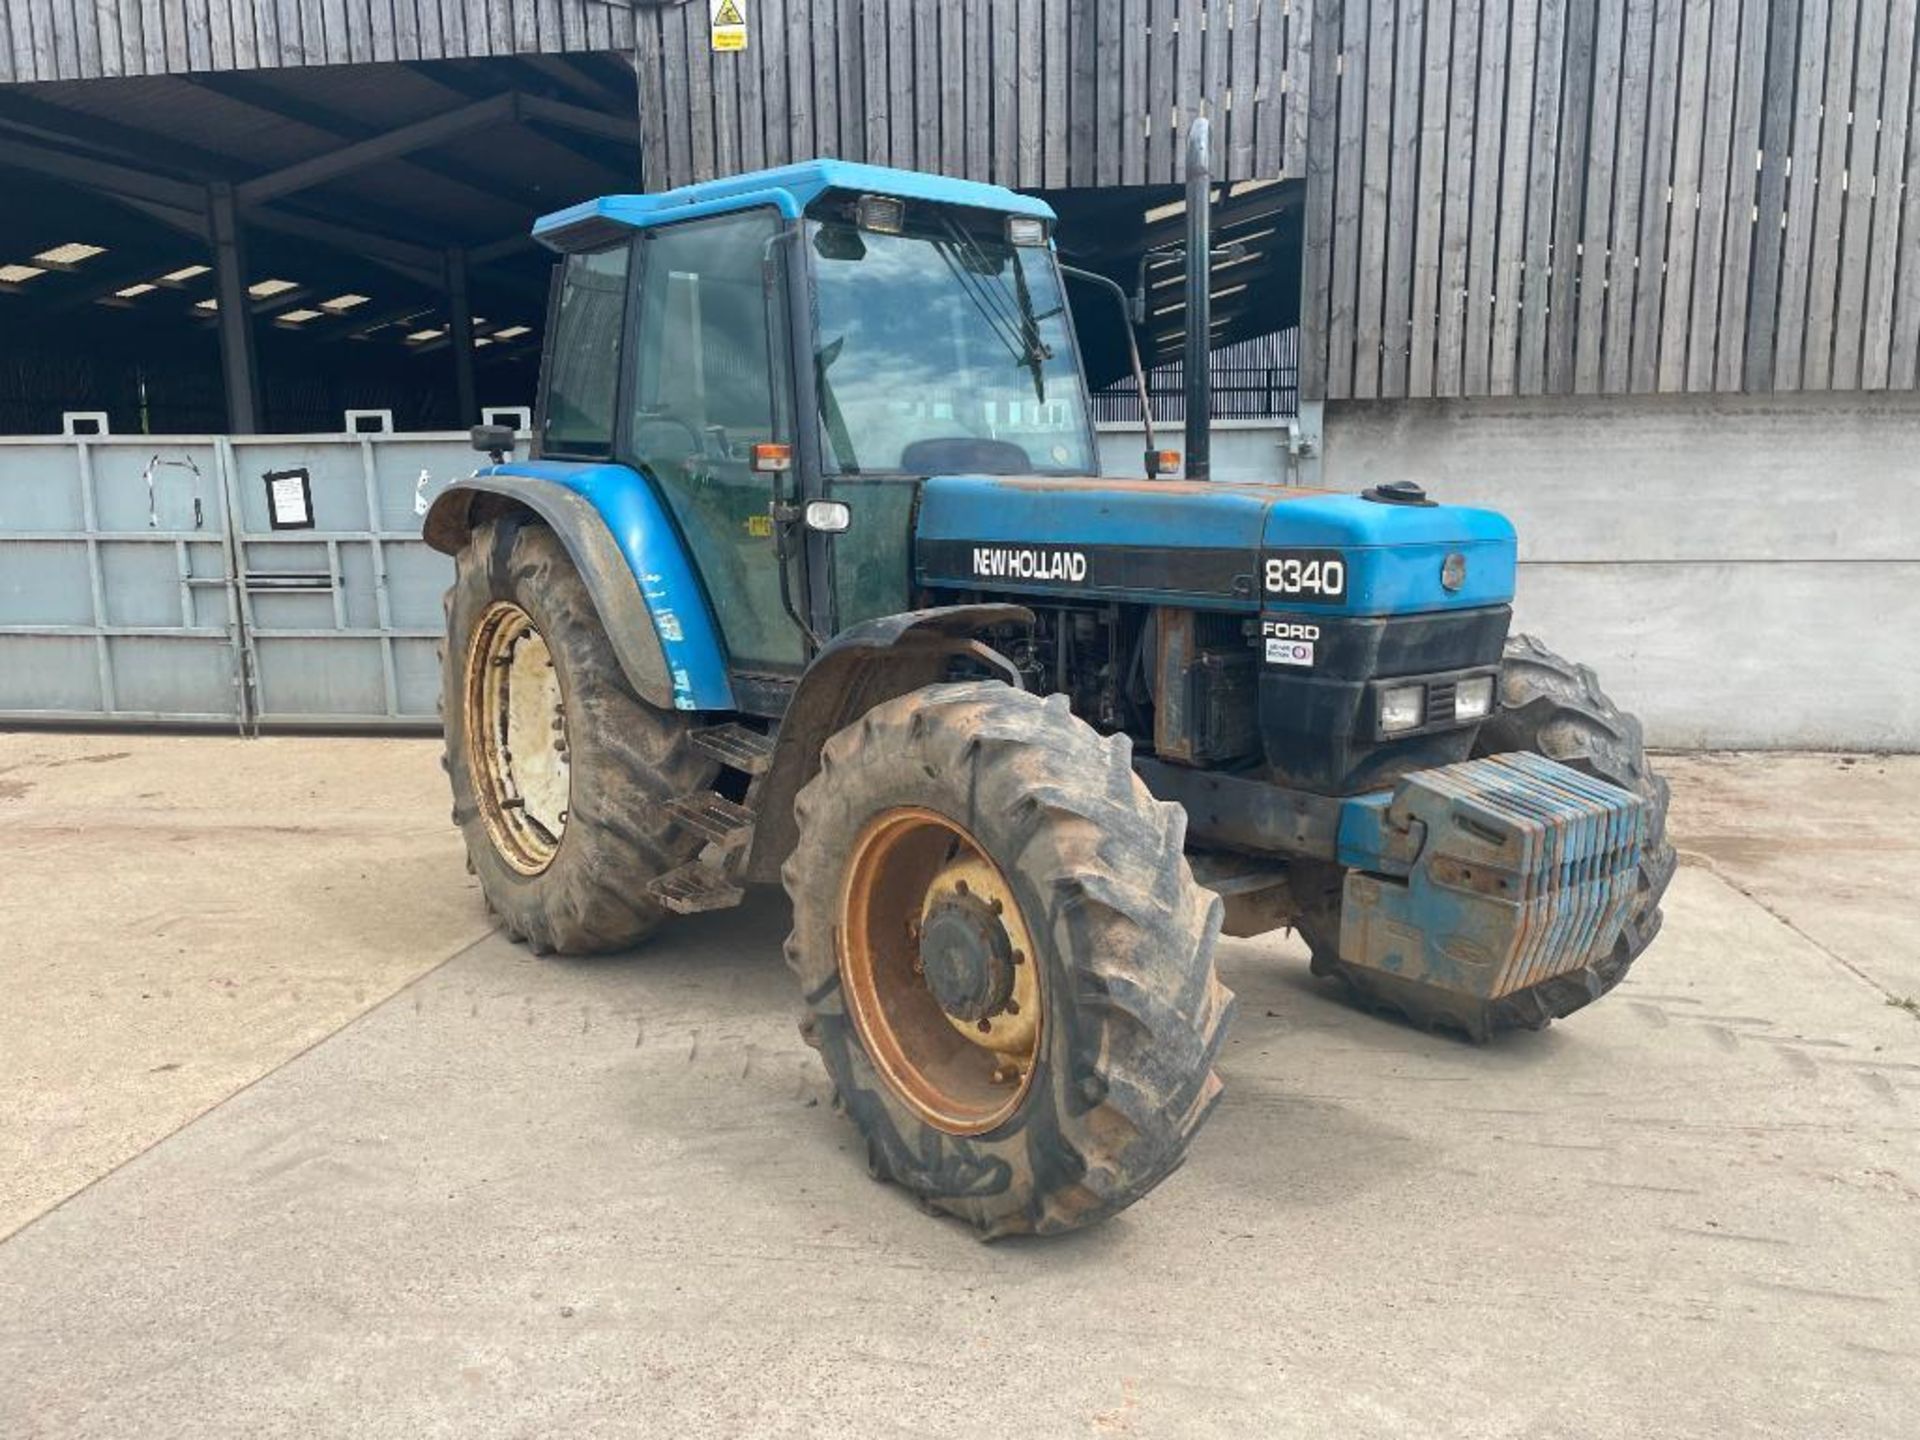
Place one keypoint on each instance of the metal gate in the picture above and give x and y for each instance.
(156, 579)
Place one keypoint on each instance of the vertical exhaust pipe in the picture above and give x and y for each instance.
(1199, 356)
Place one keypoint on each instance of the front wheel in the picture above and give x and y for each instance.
(1008, 965)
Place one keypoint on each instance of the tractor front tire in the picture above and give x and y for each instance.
(560, 772)
(1553, 707)
(1007, 963)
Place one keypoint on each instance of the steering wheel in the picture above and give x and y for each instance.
(655, 452)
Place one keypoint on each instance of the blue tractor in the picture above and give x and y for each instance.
(812, 577)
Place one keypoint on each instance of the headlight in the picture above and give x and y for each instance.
(1402, 708)
(1473, 699)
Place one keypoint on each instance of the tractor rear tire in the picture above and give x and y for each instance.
(1553, 707)
(517, 601)
(1099, 1101)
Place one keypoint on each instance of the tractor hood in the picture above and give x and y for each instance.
(1209, 545)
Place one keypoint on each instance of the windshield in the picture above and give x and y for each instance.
(941, 351)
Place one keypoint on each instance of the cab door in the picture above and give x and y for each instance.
(708, 383)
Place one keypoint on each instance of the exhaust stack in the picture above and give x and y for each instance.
(1199, 357)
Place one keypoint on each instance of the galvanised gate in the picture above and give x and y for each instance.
(243, 580)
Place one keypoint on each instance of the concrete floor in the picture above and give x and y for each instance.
(295, 1147)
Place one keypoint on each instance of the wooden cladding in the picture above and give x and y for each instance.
(88, 39)
(1036, 93)
(1606, 196)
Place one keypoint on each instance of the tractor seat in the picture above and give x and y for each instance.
(964, 455)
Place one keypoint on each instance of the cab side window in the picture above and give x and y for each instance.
(583, 357)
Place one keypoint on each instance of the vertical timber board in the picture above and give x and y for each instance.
(850, 60)
(153, 37)
(66, 47)
(1134, 99)
(113, 55)
(1683, 217)
(1461, 184)
(876, 49)
(1190, 84)
(1216, 77)
(749, 99)
(768, 41)
(573, 24)
(926, 85)
(1269, 92)
(453, 25)
(1396, 316)
(1160, 62)
(200, 39)
(1603, 134)
(1569, 217)
(1055, 129)
(1430, 212)
(1029, 57)
(1510, 256)
(1082, 87)
(723, 78)
(1293, 119)
(1816, 362)
(1712, 229)
(1650, 279)
(406, 27)
(899, 40)
(978, 96)
(1005, 79)
(1736, 259)
(526, 24)
(953, 90)
(1542, 167)
(1856, 242)
(1803, 168)
(1490, 101)
(1243, 49)
(654, 171)
(336, 46)
(1883, 264)
(673, 98)
(1376, 106)
(1904, 361)
(1323, 93)
(699, 59)
(1107, 67)
(1629, 169)
(1350, 180)
(793, 48)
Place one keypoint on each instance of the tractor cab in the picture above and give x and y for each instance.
(788, 355)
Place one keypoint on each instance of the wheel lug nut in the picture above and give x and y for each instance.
(1013, 1007)
(995, 905)
(1019, 957)
(984, 1026)
(960, 887)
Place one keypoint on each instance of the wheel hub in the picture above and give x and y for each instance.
(966, 955)
(517, 738)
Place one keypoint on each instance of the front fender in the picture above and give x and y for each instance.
(627, 550)
(863, 666)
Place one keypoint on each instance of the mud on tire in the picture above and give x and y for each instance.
(1133, 1013)
(627, 759)
(1553, 707)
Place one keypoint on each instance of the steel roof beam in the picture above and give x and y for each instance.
(434, 130)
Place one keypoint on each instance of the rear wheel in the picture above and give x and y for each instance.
(1008, 965)
(1556, 708)
(560, 773)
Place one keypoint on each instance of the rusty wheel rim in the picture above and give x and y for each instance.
(938, 966)
(517, 741)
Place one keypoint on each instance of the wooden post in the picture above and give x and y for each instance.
(460, 338)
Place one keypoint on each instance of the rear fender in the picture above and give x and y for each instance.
(862, 667)
(628, 552)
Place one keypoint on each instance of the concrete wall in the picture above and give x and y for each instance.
(1741, 570)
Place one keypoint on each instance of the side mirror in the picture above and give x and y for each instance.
(493, 440)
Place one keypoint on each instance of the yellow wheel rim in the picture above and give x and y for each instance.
(517, 738)
(940, 970)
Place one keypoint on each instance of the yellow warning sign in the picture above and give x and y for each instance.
(729, 26)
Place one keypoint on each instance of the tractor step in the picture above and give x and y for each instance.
(694, 888)
(736, 746)
(715, 819)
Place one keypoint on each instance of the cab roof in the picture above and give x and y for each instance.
(789, 189)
